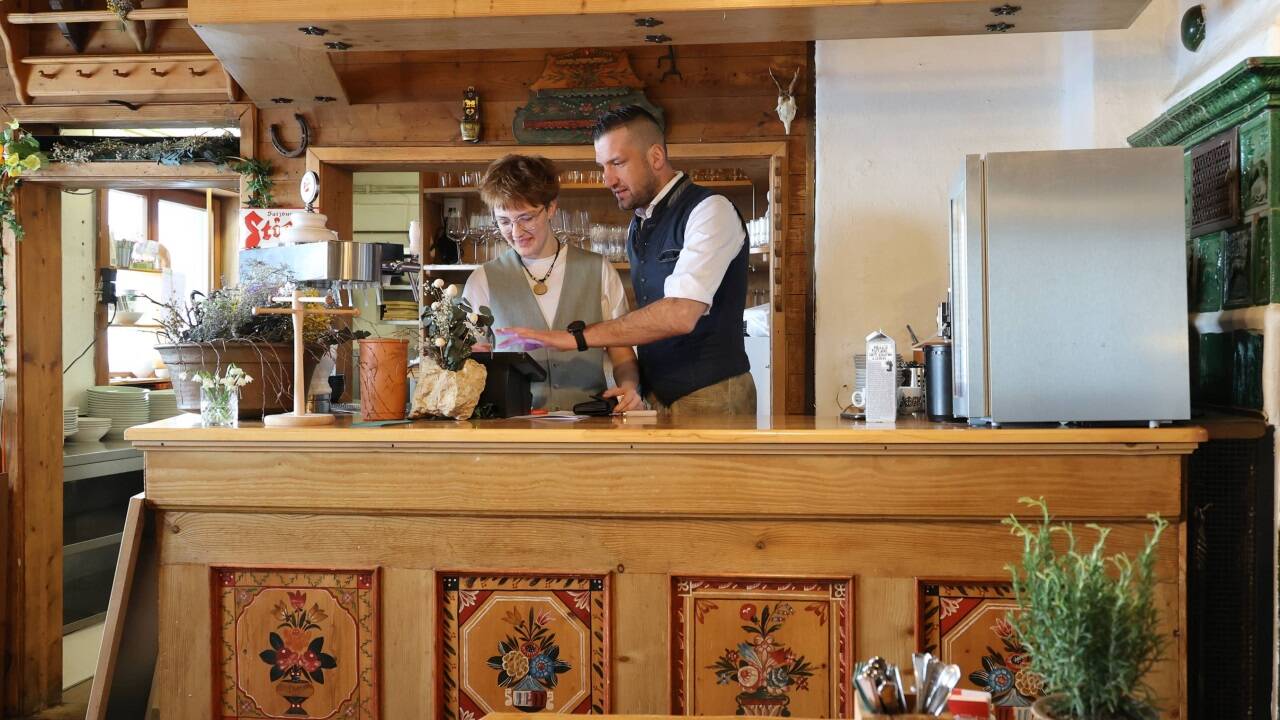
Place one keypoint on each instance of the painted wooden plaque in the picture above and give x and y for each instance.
(532, 643)
(293, 643)
(780, 647)
(965, 622)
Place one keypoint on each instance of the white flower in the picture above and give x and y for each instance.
(452, 291)
(435, 305)
(182, 375)
(438, 283)
(473, 318)
(440, 342)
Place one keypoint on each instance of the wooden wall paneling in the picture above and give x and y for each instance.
(257, 67)
(33, 447)
(641, 661)
(185, 658)
(408, 602)
(811, 483)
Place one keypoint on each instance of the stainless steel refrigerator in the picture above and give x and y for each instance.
(1068, 287)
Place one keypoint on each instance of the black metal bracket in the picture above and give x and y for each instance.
(1006, 10)
(274, 132)
(1000, 27)
(648, 22)
(670, 58)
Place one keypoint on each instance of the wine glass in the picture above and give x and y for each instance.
(415, 239)
(456, 231)
(477, 233)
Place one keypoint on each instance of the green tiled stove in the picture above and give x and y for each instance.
(1231, 132)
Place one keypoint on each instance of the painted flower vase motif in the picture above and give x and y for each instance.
(765, 670)
(296, 656)
(219, 407)
(529, 662)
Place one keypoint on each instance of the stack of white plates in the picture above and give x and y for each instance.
(164, 404)
(69, 421)
(126, 406)
(91, 429)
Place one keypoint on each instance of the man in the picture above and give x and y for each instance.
(688, 254)
(542, 283)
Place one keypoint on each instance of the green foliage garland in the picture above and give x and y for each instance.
(21, 156)
(1089, 620)
(257, 180)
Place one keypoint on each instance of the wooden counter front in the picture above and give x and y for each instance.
(888, 512)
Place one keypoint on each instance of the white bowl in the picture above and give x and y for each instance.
(89, 433)
(127, 317)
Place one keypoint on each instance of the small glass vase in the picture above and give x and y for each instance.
(219, 407)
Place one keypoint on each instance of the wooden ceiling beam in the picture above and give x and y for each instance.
(271, 73)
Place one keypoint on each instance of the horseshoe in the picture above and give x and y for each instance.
(273, 131)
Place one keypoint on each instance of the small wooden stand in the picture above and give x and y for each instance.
(300, 417)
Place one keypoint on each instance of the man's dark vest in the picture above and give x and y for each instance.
(713, 351)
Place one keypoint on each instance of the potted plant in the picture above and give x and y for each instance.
(449, 382)
(215, 330)
(1089, 620)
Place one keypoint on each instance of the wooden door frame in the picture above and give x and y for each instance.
(31, 601)
(335, 165)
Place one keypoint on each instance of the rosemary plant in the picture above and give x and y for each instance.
(1088, 619)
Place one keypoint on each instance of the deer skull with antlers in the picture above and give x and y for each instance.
(786, 100)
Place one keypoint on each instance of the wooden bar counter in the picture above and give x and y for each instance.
(856, 537)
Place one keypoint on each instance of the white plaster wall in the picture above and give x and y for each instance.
(79, 280)
(895, 119)
(1236, 29)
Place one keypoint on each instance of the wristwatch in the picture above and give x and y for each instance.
(575, 329)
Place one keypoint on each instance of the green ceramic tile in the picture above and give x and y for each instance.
(1257, 164)
(1186, 192)
(1205, 273)
(1233, 268)
(1213, 369)
(1246, 369)
(1262, 234)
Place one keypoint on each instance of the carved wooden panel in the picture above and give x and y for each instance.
(533, 643)
(762, 646)
(965, 622)
(292, 643)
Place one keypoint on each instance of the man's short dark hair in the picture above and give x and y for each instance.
(623, 117)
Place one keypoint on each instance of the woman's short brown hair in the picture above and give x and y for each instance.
(520, 180)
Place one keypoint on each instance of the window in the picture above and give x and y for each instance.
(168, 271)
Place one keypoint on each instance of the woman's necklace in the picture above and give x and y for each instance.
(540, 284)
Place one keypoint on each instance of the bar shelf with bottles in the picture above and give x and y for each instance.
(460, 234)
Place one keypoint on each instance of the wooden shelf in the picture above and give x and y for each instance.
(441, 268)
(95, 16)
(583, 187)
(138, 270)
(400, 322)
(140, 326)
(117, 59)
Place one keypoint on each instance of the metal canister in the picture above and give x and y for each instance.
(937, 375)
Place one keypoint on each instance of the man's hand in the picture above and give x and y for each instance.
(628, 397)
(555, 339)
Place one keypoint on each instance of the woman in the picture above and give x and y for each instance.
(540, 283)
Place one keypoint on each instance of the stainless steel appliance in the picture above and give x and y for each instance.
(1068, 291)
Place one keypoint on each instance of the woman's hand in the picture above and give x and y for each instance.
(628, 397)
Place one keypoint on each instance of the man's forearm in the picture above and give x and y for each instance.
(665, 318)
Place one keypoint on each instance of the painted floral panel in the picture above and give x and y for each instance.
(532, 643)
(296, 643)
(776, 647)
(965, 622)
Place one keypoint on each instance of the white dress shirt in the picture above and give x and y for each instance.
(613, 299)
(713, 237)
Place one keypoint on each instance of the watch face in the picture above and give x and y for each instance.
(310, 187)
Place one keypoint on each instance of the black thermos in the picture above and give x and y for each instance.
(937, 373)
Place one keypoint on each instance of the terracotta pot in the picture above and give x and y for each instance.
(384, 381)
(269, 364)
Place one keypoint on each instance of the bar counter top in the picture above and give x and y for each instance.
(185, 430)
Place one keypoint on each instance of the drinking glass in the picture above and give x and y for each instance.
(456, 231)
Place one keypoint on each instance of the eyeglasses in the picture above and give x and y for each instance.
(525, 222)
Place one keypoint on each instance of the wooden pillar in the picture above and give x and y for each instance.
(31, 433)
(336, 202)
